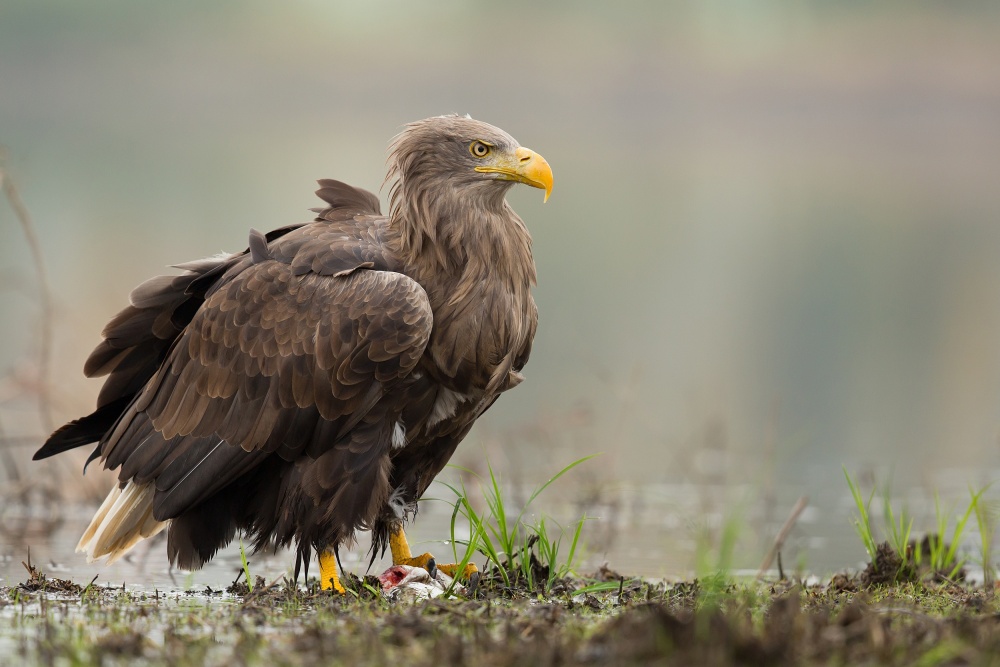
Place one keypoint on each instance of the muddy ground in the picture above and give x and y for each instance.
(850, 620)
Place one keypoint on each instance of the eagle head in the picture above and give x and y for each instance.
(462, 158)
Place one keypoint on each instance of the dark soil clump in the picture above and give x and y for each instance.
(887, 568)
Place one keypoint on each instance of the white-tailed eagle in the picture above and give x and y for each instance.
(315, 383)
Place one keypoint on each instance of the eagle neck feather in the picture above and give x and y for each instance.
(474, 261)
(468, 239)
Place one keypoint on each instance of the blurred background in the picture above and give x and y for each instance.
(772, 249)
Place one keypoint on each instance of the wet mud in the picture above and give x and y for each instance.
(606, 618)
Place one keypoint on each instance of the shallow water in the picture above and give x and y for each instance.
(656, 531)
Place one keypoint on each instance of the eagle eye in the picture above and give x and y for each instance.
(479, 149)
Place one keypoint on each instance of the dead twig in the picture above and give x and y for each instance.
(779, 540)
(13, 474)
(27, 226)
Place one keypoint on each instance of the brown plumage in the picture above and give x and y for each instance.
(315, 384)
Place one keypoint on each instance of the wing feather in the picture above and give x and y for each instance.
(273, 363)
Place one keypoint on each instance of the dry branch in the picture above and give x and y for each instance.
(800, 506)
(45, 294)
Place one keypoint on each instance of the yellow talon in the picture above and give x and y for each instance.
(328, 579)
(401, 556)
(451, 568)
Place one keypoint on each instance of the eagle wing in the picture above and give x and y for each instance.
(292, 349)
(273, 362)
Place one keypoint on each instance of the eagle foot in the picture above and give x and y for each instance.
(401, 556)
(427, 562)
(466, 574)
(329, 580)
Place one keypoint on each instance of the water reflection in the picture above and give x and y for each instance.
(657, 531)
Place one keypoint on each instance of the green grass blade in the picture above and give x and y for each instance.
(602, 586)
(959, 530)
(572, 546)
(246, 567)
(863, 524)
(559, 474)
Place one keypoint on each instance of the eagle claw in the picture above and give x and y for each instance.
(465, 575)
(429, 563)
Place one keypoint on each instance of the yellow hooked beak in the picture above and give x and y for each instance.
(526, 167)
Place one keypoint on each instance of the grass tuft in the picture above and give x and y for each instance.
(897, 527)
(937, 554)
(517, 552)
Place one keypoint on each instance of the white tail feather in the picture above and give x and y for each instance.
(88, 534)
(124, 519)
